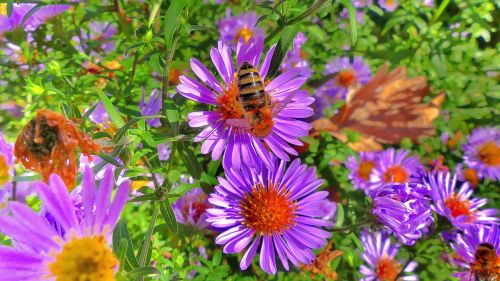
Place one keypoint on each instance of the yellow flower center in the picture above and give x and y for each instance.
(85, 259)
(3, 9)
(135, 185)
(470, 175)
(365, 169)
(4, 170)
(387, 269)
(244, 32)
(267, 210)
(489, 153)
(396, 174)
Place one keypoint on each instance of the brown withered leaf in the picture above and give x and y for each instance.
(321, 265)
(385, 110)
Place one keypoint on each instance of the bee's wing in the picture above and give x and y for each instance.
(279, 105)
(239, 123)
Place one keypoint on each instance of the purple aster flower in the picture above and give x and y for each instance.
(428, 3)
(380, 257)
(33, 22)
(348, 75)
(478, 252)
(343, 18)
(97, 39)
(389, 5)
(457, 205)
(39, 252)
(242, 26)
(190, 208)
(404, 209)
(361, 169)
(362, 3)
(227, 128)
(12, 108)
(467, 174)
(164, 151)
(482, 152)
(274, 207)
(151, 107)
(395, 166)
(296, 58)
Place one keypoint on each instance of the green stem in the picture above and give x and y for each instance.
(349, 228)
(440, 10)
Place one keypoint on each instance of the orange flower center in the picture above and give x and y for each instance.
(4, 170)
(396, 174)
(365, 169)
(489, 153)
(230, 107)
(244, 32)
(458, 206)
(346, 78)
(268, 210)
(470, 175)
(387, 269)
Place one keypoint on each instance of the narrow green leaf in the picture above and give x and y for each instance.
(114, 115)
(121, 232)
(109, 159)
(121, 252)
(168, 216)
(121, 132)
(217, 258)
(142, 271)
(189, 158)
(284, 44)
(340, 215)
(10, 8)
(171, 20)
(352, 20)
(142, 198)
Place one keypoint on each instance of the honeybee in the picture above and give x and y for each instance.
(486, 264)
(256, 102)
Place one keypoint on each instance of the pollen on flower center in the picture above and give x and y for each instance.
(230, 107)
(3, 9)
(458, 206)
(396, 174)
(489, 153)
(41, 137)
(246, 33)
(470, 175)
(346, 78)
(88, 258)
(387, 269)
(4, 170)
(268, 210)
(365, 169)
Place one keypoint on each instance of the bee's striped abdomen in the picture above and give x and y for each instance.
(251, 88)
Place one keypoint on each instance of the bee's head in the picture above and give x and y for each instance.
(246, 65)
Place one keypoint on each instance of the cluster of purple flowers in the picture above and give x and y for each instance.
(404, 196)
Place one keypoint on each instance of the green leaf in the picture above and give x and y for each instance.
(284, 44)
(121, 232)
(114, 115)
(109, 159)
(142, 198)
(189, 158)
(10, 8)
(142, 271)
(121, 252)
(340, 215)
(217, 258)
(352, 20)
(171, 20)
(168, 216)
